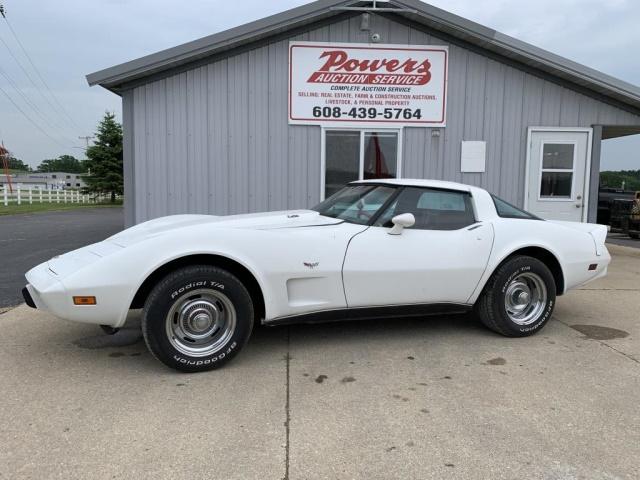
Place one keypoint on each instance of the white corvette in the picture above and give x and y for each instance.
(383, 248)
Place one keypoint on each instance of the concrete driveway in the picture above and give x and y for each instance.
(434, 398)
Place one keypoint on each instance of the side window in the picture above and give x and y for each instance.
(434, 209)
(506, 210)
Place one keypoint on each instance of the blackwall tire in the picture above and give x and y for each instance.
(197, 318)
(519, 298)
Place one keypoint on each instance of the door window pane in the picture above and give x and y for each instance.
(557, 156)
(380, 155)
(342, 159)
(433, 209)
(556, 184)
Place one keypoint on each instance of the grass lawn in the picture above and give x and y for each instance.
(14, 208)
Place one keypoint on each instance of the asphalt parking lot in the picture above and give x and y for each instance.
(29, 239)
(424, 398)
(623, 239)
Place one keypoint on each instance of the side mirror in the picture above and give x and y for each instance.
(400, 222)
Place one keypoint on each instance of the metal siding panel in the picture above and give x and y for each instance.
(475, 97)
(511, 160)
(314, 165)
(569, 109)
(396, 33)
(178, 148)
(158, 137)
(607, 115)
(204, 189)
(415, 161)
(238, 144)
(588, 111)
(258, 130)
(551, 103)
(148, 154)
(297, 167)
(218, 102)
(594, 180)
(278, 126)
(320, 34)
(493, 124)
(171, 95)
(531, 117)
(339, 31)
(128, 154)
(452, 135)
(418, 37)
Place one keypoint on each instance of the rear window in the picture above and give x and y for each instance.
(506, 210)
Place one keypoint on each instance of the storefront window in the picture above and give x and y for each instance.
(380, 155)
(342, 164)
(358, 155)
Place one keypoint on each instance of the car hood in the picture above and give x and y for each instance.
(251, 221)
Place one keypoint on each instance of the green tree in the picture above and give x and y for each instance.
(104, 159)
(16, 164)
(64, 163)
(631, 179)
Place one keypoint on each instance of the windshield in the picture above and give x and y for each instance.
(355, 203)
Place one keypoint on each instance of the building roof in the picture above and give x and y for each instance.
(115, 78)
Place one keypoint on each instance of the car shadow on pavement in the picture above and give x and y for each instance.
(271, 342)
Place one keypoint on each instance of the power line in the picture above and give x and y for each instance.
(31, 104)
(31, 120)
(27, 74)
(26, 54)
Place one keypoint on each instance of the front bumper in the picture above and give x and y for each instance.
(52, 285)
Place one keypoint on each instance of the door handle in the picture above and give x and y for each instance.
(578, 205)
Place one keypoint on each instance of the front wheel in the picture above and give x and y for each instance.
(197, 318)
(519, 298)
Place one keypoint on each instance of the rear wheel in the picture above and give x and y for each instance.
(519, 298)
(197, 318)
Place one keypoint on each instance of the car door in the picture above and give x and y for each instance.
(438, 260)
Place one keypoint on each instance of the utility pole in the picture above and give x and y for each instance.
(4, 153)
(86, 140)
(2, 11)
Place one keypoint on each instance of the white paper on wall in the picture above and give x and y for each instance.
(473, 156)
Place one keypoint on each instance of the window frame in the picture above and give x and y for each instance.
(323, 151)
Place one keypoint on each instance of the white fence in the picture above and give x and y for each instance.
(37, 195)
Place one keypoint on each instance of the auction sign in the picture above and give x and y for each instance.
(362, 84)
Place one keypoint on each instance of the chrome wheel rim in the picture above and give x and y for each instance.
(525, 298)
(201, 322)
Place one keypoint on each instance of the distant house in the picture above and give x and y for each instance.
(45, 180)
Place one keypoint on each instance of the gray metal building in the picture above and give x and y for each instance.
(207, 127)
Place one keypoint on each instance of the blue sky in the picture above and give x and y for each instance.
(69, 38)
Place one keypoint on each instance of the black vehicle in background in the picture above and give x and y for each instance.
(615, 209)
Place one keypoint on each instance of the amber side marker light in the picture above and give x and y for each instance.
(593, 266)
(84, 300)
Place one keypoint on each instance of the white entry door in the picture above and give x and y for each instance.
(558, 174)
